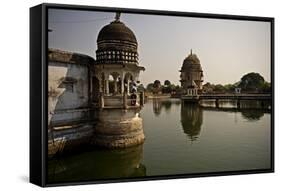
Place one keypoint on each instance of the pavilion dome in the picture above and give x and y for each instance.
(117, 44)
(191, 62)
(116, 30)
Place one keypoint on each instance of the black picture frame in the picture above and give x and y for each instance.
(39, 91)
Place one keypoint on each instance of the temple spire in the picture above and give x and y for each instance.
(190, 51)
(117, 16)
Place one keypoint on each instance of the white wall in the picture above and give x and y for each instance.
(14, 81)
(64, 103)
(68, 99)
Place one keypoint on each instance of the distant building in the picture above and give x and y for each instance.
(191, 76)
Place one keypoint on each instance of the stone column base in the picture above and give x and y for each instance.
(118, 128)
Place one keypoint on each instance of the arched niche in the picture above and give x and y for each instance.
(114, 80)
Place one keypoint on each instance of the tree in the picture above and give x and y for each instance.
(219, 88)
(156, 86)
(229, 87)
(141, 88)
(167, 88)
(149, 87)
(252, 82)
(167, 83)
(208, 87)
(178, 89)
(266, 87)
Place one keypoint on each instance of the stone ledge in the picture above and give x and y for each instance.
(56, 55)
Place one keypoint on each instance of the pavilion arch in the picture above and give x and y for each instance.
(114, 83)
(128, 80)
(128, 76)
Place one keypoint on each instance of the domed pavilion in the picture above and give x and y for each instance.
(117, 69)
(191, 76)
(114, 80)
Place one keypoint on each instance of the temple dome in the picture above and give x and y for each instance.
(191, 72)
(191, 62)
(191, 59)
(117, 44)
(116, 30)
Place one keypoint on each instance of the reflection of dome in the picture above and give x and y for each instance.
(191, 120)
(116, 30)
(117, 44)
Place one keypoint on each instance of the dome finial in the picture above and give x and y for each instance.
(117, 16)
(190, 51)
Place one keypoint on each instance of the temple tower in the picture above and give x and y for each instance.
(191, 76)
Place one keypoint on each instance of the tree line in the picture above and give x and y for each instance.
(166, 88)
(249, 83)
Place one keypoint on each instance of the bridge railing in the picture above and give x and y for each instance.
(230, 96)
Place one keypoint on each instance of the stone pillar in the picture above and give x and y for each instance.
(128, 87)
(101, 100)
(122, 85)
(115, 86)
(106, 87)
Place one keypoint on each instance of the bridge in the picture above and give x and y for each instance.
(236, 97)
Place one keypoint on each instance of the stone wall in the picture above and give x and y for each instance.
(68, 86)
(117, 128)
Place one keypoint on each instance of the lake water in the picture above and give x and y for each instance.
(180, 139)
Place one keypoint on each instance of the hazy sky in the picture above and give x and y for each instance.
(227, 49)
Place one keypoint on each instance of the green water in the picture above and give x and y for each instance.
(180, 139)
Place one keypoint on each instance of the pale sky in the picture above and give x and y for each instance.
(227, 49)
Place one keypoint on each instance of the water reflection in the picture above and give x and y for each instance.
(166, 104)
(157, 105)
(163, 137)
(243, 104)
(191, 120)
(251, 110)
(98, 164)
(252, 114)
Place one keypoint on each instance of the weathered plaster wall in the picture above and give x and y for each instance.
(68, 86)
(68, 90)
